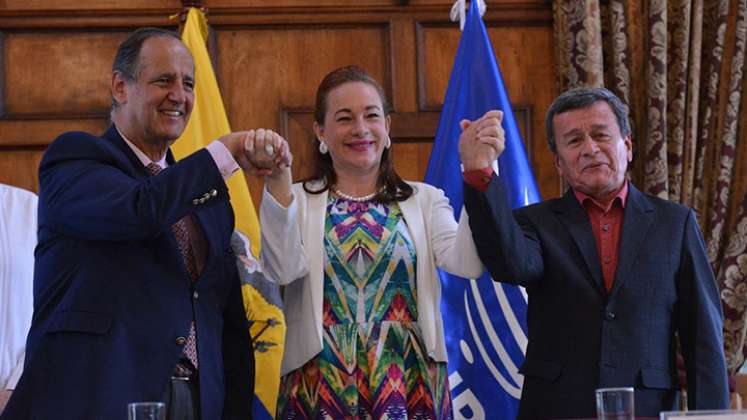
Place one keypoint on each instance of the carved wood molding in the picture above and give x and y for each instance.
(87, 19)
(537, 13)
(39, 132)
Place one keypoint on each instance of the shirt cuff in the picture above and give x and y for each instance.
(15, 374)
(479, 178)
(226, 163)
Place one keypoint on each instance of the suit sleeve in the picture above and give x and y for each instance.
(86, 193)
(700, 324)
(507, 242)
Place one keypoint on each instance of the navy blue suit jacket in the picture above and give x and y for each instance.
(111, 294)
(580, 336)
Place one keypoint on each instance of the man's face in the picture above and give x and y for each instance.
(156, 106)
(592, 156)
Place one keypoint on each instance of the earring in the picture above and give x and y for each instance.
(323, 147)
(387, 142)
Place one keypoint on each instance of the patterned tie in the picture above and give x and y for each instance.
(181, 233)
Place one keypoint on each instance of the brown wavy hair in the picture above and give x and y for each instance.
(390, 186)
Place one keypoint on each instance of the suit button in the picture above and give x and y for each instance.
(213, 192)
(195, 295)
(180, 341)
(206, 196)
(202, 200)
(195, 201)
(609, 316)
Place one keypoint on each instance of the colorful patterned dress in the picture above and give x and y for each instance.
(373, 364)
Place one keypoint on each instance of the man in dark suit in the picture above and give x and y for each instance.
(614, 276)
(136, 292)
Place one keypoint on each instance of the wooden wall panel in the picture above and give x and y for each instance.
(39, 131)
(19, 167)
(82, 5)
(58, 72)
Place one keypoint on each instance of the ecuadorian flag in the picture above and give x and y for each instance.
(261, 298)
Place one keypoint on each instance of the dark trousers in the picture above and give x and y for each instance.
(182, 396)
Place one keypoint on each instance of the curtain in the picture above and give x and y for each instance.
(679, 66)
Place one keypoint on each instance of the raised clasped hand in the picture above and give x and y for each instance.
(267, 152)
(481, 141)
(260, 152)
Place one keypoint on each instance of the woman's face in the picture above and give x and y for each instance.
(355, 129)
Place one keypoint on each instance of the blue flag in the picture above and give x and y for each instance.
(485, 322)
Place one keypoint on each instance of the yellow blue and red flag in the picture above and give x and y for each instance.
(261, 298)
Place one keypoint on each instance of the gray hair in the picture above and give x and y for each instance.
(127, 60)
(585, 97)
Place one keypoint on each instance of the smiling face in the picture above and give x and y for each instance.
(592, 156)
(154, 108)
(355, 128)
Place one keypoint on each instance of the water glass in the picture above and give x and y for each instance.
(146, 411)
(615, 404)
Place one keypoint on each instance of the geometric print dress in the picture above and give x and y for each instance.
(373, 363)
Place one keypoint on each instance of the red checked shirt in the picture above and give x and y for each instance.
(478, 178)
(606, 224)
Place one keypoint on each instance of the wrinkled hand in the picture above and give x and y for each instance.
(481, 141)
(260, 152)
(267, 152)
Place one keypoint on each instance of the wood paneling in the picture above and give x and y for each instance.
(19, 167)
(58, 72)
(40, 131)
(55, 60)
(83, 5)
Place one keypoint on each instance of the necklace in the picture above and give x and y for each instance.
(351, 198)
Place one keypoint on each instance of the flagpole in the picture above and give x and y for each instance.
(186, 5)
(459, 11)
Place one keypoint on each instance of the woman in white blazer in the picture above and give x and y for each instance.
(357, 249)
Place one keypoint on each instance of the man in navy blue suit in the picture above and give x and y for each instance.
(614, 277)
(136, 293)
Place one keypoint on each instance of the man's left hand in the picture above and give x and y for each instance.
(481, 141)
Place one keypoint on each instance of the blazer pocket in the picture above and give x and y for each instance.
(549, 371)
(79, 321)
(657, 378)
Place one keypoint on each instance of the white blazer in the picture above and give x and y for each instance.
(293, 252)
(17, 242)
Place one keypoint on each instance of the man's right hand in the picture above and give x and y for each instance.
(264, 153)
(260, 152)
(481, 141)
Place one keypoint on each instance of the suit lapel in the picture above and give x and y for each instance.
(637, 219)
(575, 219)
(112, 135)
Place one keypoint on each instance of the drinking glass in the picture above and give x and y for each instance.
(146, 411)
(615, 404)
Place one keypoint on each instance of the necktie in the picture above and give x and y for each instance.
(181, 233)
